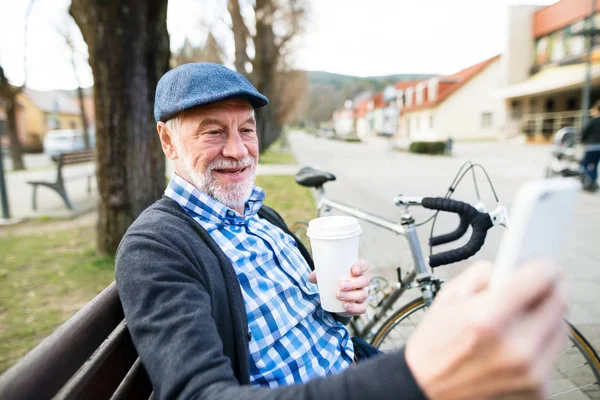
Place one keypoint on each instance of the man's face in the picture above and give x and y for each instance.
(217, 150)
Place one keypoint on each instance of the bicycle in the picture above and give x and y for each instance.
(577, 367)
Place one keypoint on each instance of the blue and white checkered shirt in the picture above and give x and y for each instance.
(293, 338)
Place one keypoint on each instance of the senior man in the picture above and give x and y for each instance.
(221, 303)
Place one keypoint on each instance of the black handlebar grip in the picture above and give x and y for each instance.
(452, 236)
(455, 206)
(480, 223)
(480, 228)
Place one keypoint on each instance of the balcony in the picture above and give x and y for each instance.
(545, 125)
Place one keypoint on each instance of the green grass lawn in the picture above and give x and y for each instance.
(47, 277)
(275, 155)
(292, 201)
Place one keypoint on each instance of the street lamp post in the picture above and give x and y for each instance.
(3, 197)
(585, 97)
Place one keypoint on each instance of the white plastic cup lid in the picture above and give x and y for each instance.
(333, 227)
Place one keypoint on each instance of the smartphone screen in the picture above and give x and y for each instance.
(541, 215)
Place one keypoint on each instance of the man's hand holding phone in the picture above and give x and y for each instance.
(477, 342)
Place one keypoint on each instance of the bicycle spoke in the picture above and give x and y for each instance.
(572, 346)
(570, 369)
(570, 390)
(411, 321)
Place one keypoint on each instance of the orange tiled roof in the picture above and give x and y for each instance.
(360, 110)
(559, 15)
(449, 84)
(405, 84)
(378, 101)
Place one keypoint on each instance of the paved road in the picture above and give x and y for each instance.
(370, 174)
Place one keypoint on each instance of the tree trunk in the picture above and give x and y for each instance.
(240, 36)
(264, 74)
(16, 150)
(129, 51)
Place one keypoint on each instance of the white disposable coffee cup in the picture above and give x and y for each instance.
(334, 243)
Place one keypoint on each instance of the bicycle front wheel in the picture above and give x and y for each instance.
(577, 368)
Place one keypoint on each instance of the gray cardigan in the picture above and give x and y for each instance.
(185, 311)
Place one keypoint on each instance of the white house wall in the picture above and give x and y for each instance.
(420, 128)
(362, 127)
(460, 115)
(375, 121)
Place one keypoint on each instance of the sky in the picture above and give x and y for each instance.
(363, 38)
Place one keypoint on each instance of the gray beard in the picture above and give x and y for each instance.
(233, 194)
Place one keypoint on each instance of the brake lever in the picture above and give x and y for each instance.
(499, 216)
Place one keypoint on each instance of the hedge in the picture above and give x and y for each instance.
(428, 147)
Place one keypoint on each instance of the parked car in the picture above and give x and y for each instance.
(327, 133)
(66, 141)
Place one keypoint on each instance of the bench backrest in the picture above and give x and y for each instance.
(90, 356)
(76, 157)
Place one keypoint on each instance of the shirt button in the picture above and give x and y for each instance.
(230, 213)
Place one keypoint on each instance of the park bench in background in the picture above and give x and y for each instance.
(91, 356)
(58, 185)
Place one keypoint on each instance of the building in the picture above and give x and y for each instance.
(545, 62)
(458, 106)
(40, 111)
(374, 116)
(343, 122)
(360, 114)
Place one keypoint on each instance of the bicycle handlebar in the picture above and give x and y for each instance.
(480, 222)
(452, 236)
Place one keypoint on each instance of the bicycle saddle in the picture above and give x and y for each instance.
(311, 177)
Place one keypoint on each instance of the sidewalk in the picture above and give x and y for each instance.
(49, 203)
(277, 169)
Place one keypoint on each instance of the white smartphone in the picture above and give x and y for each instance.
(540, 217)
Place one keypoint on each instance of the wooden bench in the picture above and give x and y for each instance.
(91, 356)
(62, 160)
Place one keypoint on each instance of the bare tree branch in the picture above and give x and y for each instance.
(25, 42)
(67, 35)
(295, 15)
(240, 36)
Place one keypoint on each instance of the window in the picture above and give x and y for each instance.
(431, 122)
(486, 119)
(516, 112)
(53, 122)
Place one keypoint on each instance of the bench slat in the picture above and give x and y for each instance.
(136, 384)
(77, 160)
(102, 374)
(77, 157)
(45, 369)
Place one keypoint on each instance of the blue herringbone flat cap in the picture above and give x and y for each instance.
(196, 84)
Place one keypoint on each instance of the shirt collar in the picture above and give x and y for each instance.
(207, 208)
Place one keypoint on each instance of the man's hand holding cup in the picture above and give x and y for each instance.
(353, 290)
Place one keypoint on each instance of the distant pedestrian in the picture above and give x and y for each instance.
(590, 138)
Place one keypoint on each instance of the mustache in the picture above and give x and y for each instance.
(224, 163)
